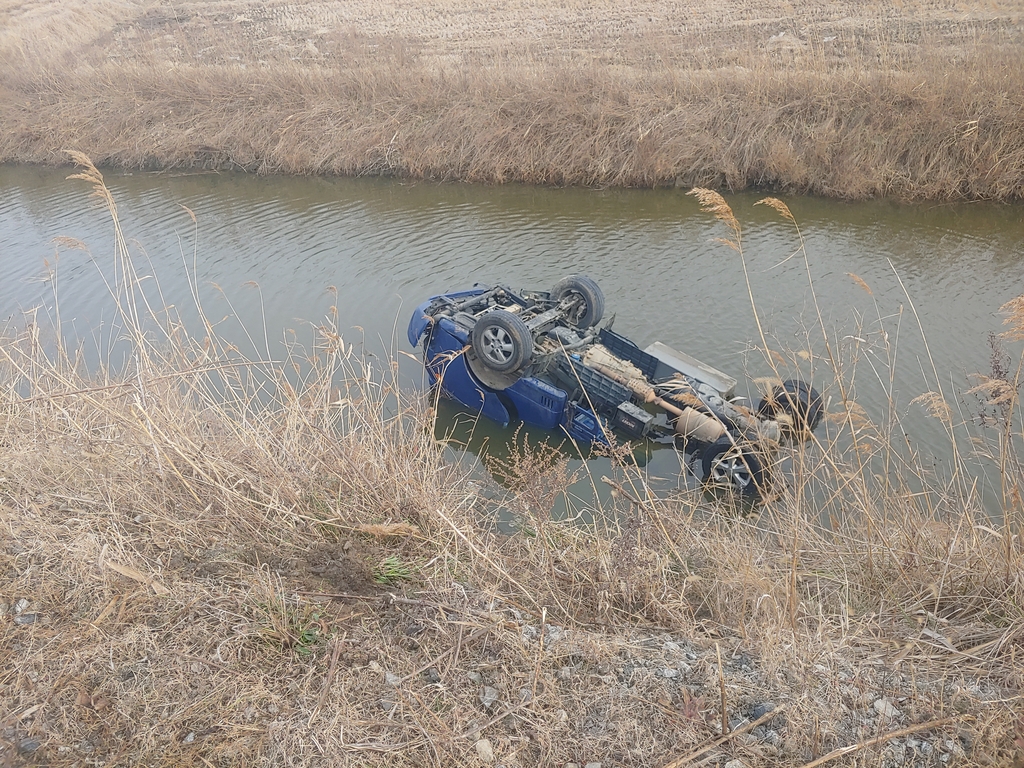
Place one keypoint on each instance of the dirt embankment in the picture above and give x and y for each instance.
(915, 100)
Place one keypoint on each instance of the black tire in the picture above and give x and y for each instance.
(733, 466)
(798, 400)
(591, 309)
(502, 341)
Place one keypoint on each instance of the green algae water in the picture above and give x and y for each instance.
(910, 293)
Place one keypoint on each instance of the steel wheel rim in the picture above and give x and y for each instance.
(498, 346)
(730, 469)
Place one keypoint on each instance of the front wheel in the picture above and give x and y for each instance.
(733, 466)
(502, 341)
(590, 307)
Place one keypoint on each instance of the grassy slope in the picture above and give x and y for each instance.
(225, 562)
(841, 99)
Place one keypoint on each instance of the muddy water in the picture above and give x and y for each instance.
(267, 250)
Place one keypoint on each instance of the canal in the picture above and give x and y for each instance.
(908, 295)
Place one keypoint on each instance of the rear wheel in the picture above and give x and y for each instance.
(799, 401)
(502, 341)
(590, 308)
(733, 466)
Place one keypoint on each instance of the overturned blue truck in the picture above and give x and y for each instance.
(545, 358)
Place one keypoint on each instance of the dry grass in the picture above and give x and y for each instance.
(219, 561)
(841, 99)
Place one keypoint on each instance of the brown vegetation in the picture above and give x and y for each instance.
(843, 99)
(219, 561)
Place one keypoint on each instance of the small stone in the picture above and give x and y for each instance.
(735, 764)
(593, 765)
(28, 745)
(525, 694)
(190, 738)
(670, 673)
(392, 679)
(485, 750)
(953, 748)
(20, 605)
(565, 673)
(684, 668)
(670, 647)
(552, 634)
(760, 710)
(387, 705)
(885, 708)
(475, 677)
(26, 618)
(432, 675)
(489, 697)
(561, 716)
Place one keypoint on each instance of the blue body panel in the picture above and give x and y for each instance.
(538, 402)
(584, 426)
(534, 401)
(418, 323)
(446, 365)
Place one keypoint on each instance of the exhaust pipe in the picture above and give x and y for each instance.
(691, 423)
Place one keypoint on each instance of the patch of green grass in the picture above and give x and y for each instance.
(309, 635)
(392, 570)
(291, 627)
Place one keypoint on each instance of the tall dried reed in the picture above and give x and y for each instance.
(851, 102)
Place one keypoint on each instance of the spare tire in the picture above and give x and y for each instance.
(502, 341)
(591, 307)
(798, 400)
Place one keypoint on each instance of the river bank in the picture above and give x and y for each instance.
(209, 559)
(916, 102)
